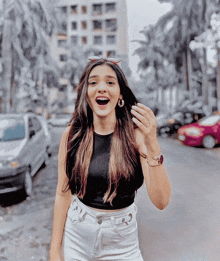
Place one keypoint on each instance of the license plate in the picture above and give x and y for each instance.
(181, 137)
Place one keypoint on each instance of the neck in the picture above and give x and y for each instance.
(104, 125)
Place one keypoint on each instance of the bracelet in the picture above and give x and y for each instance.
(156, 161)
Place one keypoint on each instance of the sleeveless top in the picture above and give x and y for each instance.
(97, 181)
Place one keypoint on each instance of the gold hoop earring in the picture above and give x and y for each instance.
(121, 103)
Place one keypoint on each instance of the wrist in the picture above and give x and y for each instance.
(153, 150)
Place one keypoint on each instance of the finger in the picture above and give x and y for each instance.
(142, 106)
(141, 118)
(140, 125)
(141, 112)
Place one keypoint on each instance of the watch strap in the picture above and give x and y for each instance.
(155, 161)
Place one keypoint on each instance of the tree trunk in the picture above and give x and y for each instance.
(189, 70)
(205, 87)
(185, 70)
(7, 63)
(218, 79)
(170, 97)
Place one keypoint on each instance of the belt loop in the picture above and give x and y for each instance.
(135, 208)
(82, 215)
(73, 198)
(113, 222)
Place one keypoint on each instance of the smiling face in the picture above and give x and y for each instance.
(103, 91)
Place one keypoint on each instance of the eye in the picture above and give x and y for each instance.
(92, 83)
(110, 83)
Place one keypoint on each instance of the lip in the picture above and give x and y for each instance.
(102, 97)
(102, 106)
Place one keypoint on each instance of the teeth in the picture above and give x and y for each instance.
(103, 99)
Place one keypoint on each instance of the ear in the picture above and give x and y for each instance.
(120, 96)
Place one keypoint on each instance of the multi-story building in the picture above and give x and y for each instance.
(91, 24)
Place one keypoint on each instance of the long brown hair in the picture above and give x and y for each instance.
(123, 153)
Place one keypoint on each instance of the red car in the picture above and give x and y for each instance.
(204, 132)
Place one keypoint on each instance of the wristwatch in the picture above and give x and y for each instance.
(155, 161)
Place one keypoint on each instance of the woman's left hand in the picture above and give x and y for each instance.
(146, 121)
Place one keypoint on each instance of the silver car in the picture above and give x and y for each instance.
(23, 150)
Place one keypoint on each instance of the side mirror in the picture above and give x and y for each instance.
(31, 133)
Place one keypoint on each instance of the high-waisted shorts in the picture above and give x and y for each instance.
(91, 235)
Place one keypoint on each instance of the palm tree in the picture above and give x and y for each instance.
(150, 54)
(215, 27)
(190, 19)
(28, 44)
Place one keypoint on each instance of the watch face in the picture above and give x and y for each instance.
(161, 159)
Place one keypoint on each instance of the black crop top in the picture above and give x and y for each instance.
(97, 181)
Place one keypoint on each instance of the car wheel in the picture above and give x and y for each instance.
(28, 186)
(208, 142)
(163, 133)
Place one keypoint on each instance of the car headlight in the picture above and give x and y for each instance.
(9, 163)
(193, 131)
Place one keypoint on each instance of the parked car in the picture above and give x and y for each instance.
(170, 125)
(205, 132)
(47, 131)
(23, 150)
(60, 120)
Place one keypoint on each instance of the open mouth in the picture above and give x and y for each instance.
(102, 101)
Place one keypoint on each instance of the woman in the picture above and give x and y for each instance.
(106, 152)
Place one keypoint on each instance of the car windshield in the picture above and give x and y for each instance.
(211, 120)
(11, 129)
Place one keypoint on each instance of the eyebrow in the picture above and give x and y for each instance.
(108, 76)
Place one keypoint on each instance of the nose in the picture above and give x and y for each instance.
(102, 87)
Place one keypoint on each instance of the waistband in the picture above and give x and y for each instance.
(104, 215)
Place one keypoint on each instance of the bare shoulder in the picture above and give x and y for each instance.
(66, 132)
(64, 137)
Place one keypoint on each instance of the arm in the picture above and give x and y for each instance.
(62, 201)
(156, 180)
(157, 183)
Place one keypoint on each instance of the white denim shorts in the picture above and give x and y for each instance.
(91, 235)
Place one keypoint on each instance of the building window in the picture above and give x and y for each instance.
(111, 54)
(63, 88)
(63, 57)
(74, 39)
(84, 40)
(97, 39)
(74, 25)
(61, 43)
(64, 26)
(111, 25)
(97, 9)
(63, 9)
(111, 39)
(97, 24)
(84, 9)
(110, 7)
(98, 53)
(84, 25)
(73, 9)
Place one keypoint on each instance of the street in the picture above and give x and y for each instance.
(187, 230)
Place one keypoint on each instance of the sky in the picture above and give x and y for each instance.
(140, 14)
